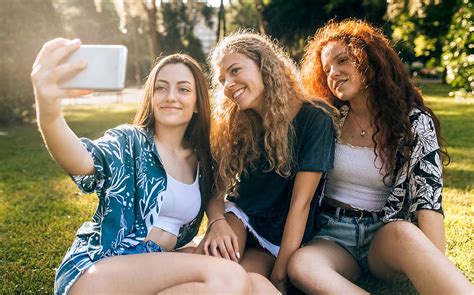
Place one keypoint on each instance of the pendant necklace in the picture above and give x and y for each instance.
(362, 130)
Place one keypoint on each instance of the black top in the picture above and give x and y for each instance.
(265, 196)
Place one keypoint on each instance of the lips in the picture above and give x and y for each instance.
(170, 108)
(338, 83)
(238, 93)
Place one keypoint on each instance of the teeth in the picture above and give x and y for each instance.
(238, 92)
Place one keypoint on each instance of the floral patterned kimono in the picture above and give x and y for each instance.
(129, 180)
(418, 180)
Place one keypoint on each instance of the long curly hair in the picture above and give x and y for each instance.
(392, 95)
(197, 134)
(235, 134)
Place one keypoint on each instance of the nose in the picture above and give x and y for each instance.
(171, 95)
(228, 83)
(333, 72)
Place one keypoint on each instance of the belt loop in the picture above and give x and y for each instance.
(321, 200)
(337, 213)
(375, 216)
(361, 215)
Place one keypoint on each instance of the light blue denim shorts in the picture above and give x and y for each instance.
(352, 233)
(77, 261)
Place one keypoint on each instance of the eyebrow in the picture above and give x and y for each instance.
(179, 82)
(335, 57)
(228, 68)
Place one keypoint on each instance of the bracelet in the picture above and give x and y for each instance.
(214, 221)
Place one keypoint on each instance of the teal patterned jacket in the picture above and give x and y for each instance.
(129, 181)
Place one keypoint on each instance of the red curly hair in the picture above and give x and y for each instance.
(392, 94)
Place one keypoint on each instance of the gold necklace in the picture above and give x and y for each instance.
(362, 130)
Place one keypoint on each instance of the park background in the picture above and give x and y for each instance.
(40, 208)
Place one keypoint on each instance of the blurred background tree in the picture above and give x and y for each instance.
(435, 33)
(23, 31)
(458, 49)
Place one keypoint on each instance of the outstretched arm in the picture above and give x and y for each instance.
(303, 192)
(62, 143)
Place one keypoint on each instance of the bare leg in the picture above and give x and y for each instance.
(152, 273)
(323, 267)
(400, 249)
(239, 229)
(258, 260)
(260, 285)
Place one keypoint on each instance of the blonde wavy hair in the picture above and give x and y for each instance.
(235, 132)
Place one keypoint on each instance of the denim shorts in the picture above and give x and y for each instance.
(77, 261)
(352, 233)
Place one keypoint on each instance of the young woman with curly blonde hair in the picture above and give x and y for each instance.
(380, 210)
(272, 146)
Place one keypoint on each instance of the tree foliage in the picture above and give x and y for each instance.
(27, 24)
(419, 27)
(458, 49)
(292, 22)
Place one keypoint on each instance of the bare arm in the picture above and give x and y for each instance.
(303, 192)
(220, 240)
(431, 224)
(62, 143)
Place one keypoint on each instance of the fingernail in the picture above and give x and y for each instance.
(238, 255)
(73, 42)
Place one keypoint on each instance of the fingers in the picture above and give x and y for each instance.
(77, 93)
(213, 249)
(48, 48)
(235, 245)
(223, 250)
(205, 248)
(54, 51)
(68, 70)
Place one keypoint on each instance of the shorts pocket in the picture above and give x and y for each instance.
(325, 220)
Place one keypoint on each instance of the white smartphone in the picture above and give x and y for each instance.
(105, 71)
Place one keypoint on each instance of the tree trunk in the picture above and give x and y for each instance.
(220, 21)
(261, 21)
(151, 13)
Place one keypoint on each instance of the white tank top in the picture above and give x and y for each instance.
(356, 179)
(181, 204)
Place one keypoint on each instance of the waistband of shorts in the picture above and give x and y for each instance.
(349, 212)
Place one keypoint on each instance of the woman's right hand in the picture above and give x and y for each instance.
(221, 241)
(48, 70)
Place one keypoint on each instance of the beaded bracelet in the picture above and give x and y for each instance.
(214, 221)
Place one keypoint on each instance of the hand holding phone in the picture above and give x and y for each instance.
(105, 71)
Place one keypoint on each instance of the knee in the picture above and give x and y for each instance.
(298, 266)
(229, 279)
(398, 232)
(304, 272)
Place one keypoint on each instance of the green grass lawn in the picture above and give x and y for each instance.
(40, 208)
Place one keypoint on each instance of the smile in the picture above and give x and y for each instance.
(170, 108)
(338, 84)
(238, 93)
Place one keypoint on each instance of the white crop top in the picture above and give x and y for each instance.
(181, 204)
(356, 180)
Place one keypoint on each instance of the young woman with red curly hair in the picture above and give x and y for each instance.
(380, 210)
